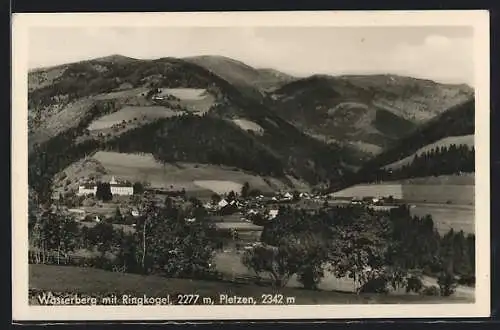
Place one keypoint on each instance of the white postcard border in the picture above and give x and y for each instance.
(479, 20)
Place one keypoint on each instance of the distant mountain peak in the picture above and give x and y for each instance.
(115, 58)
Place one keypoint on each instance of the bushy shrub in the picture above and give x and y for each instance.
(430, 291)
(375, 285)
(414, 284)
(310, 276)
(447, 284)
(469, 280)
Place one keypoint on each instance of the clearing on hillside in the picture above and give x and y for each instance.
(185, 94)
(457, 140)
(219, 186)
(132, 113)
(194, 100)
(249, 125)
(144, 168)
(366, 147)
(128, 93)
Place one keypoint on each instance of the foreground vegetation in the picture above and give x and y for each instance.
(380, 250)
(99, 283)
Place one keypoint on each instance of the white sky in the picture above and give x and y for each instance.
(443, 54)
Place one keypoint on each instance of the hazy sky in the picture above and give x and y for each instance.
(444, 54)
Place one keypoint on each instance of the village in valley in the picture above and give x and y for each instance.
(244, 211)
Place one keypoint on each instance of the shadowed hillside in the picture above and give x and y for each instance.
(371, 110)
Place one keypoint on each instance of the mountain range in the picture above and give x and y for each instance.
(224, 112)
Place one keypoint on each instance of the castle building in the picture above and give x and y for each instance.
(122, 189)
(117, 188)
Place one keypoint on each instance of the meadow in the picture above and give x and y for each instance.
(229, 263)
(67, 279)
(448, 216)
(449, 200)
(193, 99)
(452, 189)
(192, 177)
(248, 125)
(132, 113)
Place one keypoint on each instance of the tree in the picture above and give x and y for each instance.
(215, 198)
(103, 191)
(118, 218)
(359, 245)
(447, 284)
(58, 233)
(231, 196)
(245, 189)
(138, 188)
(275, 261)
(313, 251)
(302, 254)
(102, 237)
(172, 246)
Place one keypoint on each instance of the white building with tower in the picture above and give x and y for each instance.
(117, 188)
(123, 189)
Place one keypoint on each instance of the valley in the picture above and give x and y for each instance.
(235, 169)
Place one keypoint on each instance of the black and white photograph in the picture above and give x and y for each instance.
(250, 165)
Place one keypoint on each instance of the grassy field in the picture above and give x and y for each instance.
(448, 199)
(219, 186)
(448, 216)
(128, 93)
(457, 140)
(229, 263)
(193, 99)
(452, 189)
(132, 113)
(248, 125)
(89, 281)
(192, 177)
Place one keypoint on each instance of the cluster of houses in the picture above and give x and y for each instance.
(120, 188)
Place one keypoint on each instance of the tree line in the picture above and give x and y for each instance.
(163, 242)
(376, 249)
(445, 160)
(456, 121)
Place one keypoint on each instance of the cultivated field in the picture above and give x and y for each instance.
(457, 140)
(367, 147)
(132, 113)
(193, 99)
(94, 281)
(128, 93)
(453, 189)
(195, 178)
(448, 216)
(219, 186)
(248, 125)
(449, 200)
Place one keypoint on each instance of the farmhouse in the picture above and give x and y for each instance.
(87, 189)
